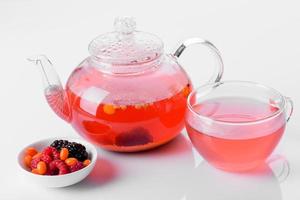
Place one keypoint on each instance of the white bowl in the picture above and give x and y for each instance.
(58, 180)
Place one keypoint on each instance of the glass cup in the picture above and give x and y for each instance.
(236, 125)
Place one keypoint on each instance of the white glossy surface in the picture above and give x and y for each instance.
(259, 41)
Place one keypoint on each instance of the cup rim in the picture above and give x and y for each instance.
(255, 84)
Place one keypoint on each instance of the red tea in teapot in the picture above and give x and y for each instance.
(116, 124)
(132, 127)
(235, 142)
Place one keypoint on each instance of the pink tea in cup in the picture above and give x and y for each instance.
(235, 132)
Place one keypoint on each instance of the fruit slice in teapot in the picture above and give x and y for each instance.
(128, 95)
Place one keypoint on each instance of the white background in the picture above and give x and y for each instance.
(259, 41)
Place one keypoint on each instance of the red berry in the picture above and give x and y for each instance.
(58, 167)
(47, 150)
(77, 166)
(46, 158)
(52, 169)
(51, 151)
(34, 162)
(64, 170)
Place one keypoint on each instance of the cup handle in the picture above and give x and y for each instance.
(284, 172)
(219, 68)
(291, 107)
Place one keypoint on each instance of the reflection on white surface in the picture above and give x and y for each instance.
(174, 172)
(213, 184)
(161, 173)
(170, 173)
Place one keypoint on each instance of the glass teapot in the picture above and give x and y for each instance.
(128, 95)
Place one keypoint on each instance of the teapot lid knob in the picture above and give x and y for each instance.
(125, 25)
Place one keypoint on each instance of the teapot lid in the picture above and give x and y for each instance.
(125, 45)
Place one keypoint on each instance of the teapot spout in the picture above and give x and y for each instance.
(53, 90)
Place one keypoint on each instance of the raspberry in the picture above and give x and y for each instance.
(76, 167)
(46, 158)
(137, 136)
(34, 162)
(58, 167)
(51, 151)
(52, 169)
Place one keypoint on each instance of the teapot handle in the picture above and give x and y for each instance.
(191, 41)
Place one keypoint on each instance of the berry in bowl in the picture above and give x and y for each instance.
(58, 162)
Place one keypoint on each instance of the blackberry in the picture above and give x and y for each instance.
(59, 144)
(77, 150)
(137, 136)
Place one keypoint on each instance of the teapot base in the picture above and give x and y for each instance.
(137, 148)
